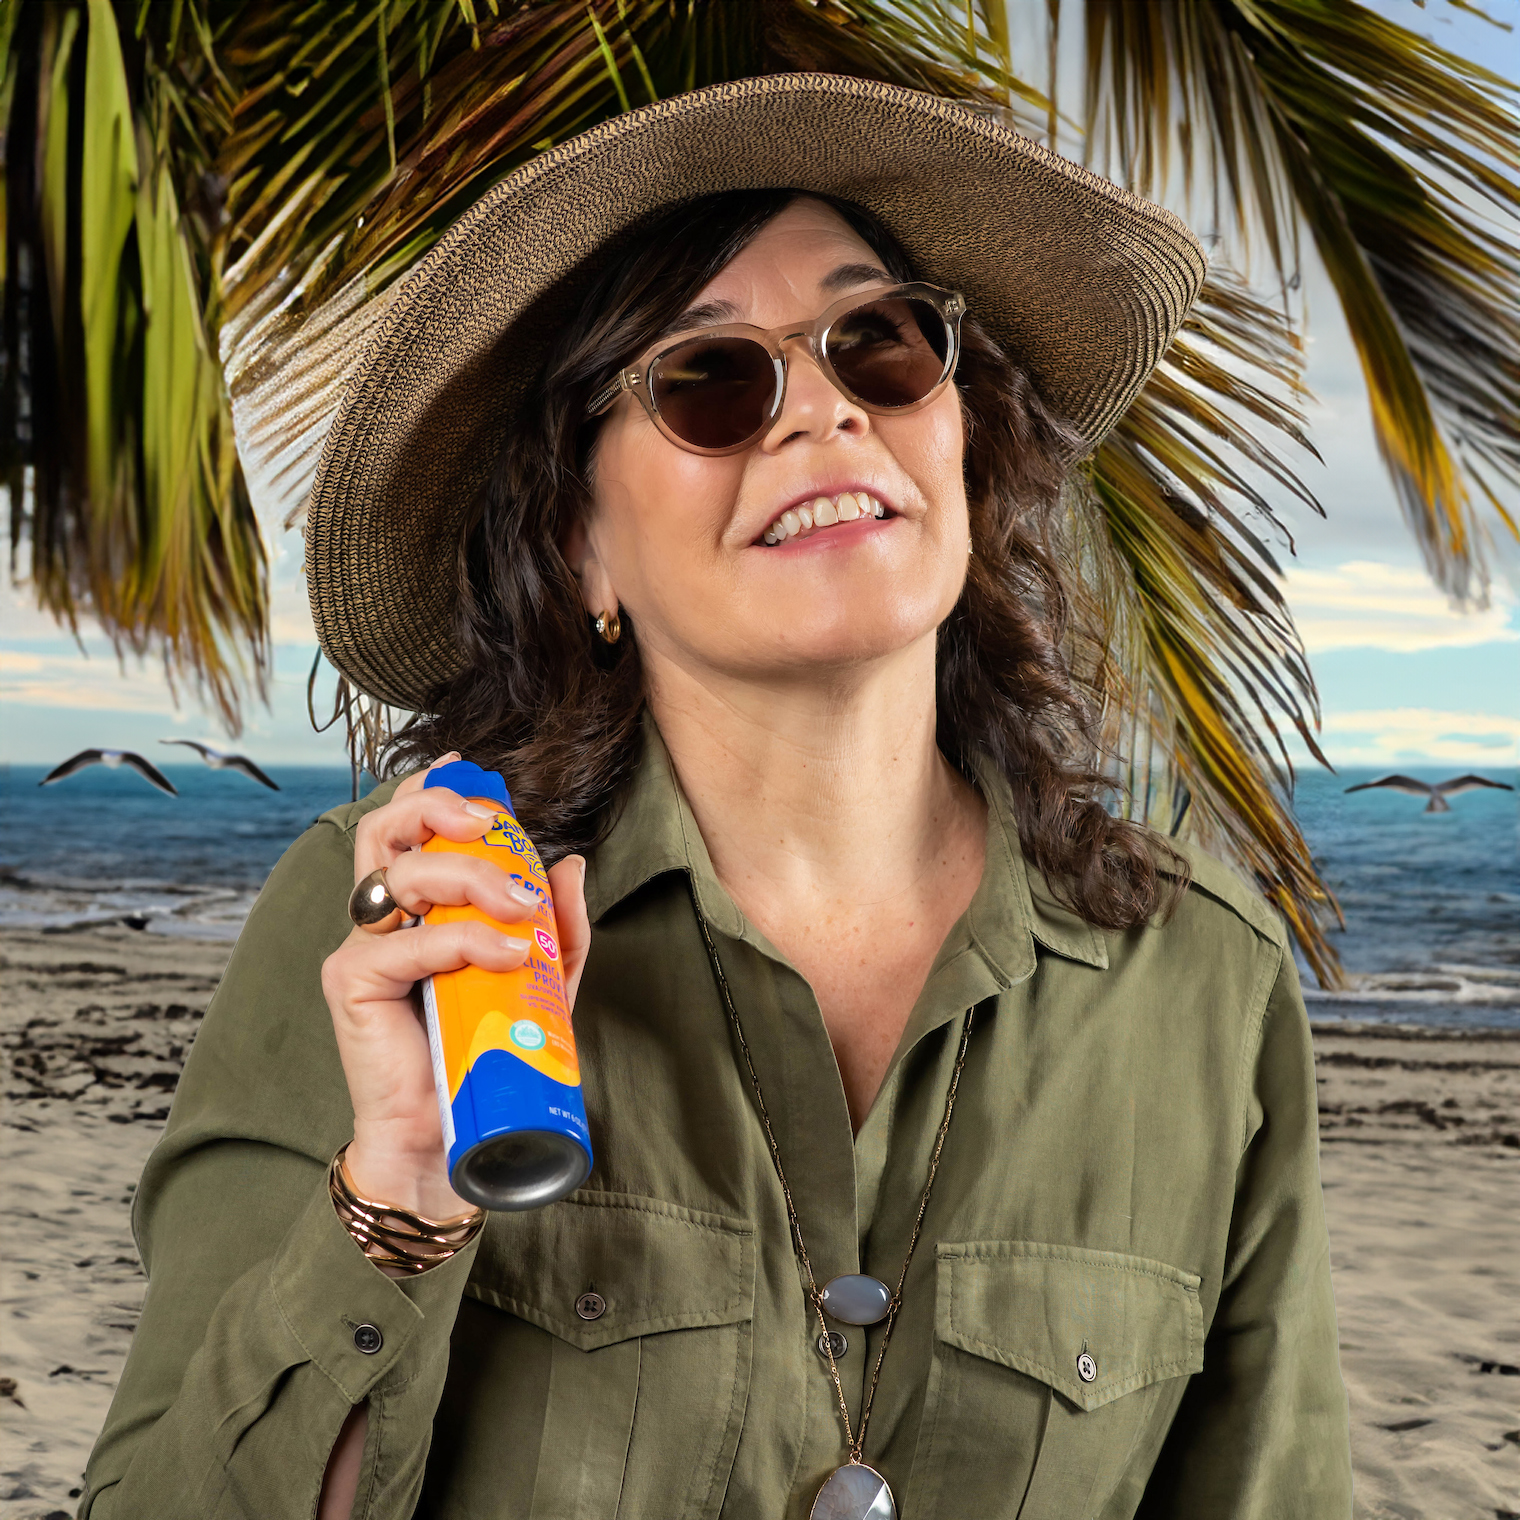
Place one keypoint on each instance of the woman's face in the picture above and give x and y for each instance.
(676, 540)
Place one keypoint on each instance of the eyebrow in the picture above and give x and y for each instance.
(718, 313)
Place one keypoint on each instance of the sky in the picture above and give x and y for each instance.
(1404, 679)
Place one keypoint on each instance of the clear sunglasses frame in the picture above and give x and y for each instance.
(950, 304)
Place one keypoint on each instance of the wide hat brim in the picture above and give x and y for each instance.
(1082, 282)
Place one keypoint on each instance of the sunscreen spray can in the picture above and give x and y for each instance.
(504, 1062)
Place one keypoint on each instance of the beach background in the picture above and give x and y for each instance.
(119, 905)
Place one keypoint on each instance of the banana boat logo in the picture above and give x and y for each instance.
(506, 834)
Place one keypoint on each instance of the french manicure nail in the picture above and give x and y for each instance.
(508, 942)
(475, 810)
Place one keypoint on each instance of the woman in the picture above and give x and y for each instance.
(694, 510)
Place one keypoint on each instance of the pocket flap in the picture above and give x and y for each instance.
(1043, 1309)
(652, 1265)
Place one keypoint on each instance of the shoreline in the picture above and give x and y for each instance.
(1420, 1158)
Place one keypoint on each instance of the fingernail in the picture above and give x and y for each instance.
(580, 860)
(511, 944)
(522, 898)
(475, 810)
(453, 754)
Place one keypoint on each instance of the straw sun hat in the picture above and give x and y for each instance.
(1083, 284)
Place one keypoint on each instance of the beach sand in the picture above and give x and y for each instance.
(1420, 1153)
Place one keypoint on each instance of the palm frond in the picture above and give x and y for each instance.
(1204, 669)
(1401, 162)
(116, 446)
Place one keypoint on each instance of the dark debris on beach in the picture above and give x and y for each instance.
(94, 1040)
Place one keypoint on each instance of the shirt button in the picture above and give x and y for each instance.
(368, 1339)
(1087, 1368)
(840, 1344)
(591, 1306)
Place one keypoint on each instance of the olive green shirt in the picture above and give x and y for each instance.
(1131, 1176)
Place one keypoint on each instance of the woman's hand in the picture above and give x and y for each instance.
(397, 1153)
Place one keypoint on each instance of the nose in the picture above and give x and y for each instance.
(813, 406)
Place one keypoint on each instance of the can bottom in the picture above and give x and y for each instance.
(522, 1170)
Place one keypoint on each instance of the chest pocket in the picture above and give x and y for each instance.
(622, 1358)
(1053, 1367)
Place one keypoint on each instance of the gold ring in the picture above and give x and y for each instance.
(371, 906)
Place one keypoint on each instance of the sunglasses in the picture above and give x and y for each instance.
(889, 351)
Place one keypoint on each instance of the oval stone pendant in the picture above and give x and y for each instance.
(854, 1492)
(856, 1300)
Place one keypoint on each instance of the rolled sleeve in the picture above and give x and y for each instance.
(292, 1345)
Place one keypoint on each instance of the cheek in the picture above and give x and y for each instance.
(944, 450)
(658, 512)
(930, 448)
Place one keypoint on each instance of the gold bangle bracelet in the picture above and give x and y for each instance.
(396, 1237)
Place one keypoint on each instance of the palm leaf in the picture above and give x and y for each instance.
(1402, 163)
(1204, 670)
(117, 453)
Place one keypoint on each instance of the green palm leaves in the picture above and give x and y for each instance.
(1401, 163)
(208, 203)
(117, 450)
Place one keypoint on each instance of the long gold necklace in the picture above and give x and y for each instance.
(853, 1491)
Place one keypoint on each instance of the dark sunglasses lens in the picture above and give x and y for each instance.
(714, 392)
(889, 353)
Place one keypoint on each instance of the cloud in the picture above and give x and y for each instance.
(71, 680)
(1385, 736)
(1365, 604)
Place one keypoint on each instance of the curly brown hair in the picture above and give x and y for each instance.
(557, 710)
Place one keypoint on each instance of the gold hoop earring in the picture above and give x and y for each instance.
(609, 625)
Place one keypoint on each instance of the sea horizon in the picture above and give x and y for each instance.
(1432, 901)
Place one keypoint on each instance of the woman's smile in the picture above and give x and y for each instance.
(811, 516)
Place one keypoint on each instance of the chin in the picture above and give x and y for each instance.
(806, 644)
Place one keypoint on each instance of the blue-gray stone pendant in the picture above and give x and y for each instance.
(855, 1492)
(856, 1300)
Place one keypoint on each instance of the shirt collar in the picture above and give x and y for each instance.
(1012, 911)
(655, 832)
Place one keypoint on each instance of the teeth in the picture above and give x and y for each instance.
(823, 513)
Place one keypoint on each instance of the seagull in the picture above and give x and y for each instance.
(112, 759)
(218, 760)
(1437, 793)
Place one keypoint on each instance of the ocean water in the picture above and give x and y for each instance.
(104, 845)
(1432, 901)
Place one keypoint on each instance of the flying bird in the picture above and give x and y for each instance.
(1437, 793)
(112, 759)
(218, 760)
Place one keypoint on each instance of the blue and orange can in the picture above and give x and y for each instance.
(504, 1061)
